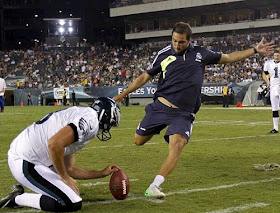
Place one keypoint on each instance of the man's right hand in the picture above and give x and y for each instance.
(118, 98)
(72, 183)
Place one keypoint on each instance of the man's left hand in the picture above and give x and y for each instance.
(265, 48)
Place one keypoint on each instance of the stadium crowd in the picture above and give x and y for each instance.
(103, 65)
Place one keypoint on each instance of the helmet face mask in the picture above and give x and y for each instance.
(104, 136)
(108, 115)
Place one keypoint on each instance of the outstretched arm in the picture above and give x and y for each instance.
(262, 48)
(137, 83)
(83, 174)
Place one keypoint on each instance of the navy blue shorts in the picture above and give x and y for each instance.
(2, 103)
(158, 116)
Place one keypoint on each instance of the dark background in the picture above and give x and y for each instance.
(20, 29)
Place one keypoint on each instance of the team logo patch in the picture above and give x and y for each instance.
(198, 57)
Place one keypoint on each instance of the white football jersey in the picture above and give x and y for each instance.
(2, 86)
(274, 71)
(32, 143)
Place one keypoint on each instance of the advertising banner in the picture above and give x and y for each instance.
(58, 93)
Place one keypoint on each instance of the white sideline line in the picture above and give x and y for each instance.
(240, 208)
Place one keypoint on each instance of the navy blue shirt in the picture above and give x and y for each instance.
(181, 76)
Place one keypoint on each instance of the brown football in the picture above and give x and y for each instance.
(119, 185)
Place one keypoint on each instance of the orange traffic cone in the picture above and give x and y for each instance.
(21, 104)
(239, 104)
(55, 104)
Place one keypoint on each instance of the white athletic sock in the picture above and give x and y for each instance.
(275, 123)
(29, 199)
(159, 179)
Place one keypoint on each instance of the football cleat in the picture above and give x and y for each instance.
(154, 192)
(9, 200)
(274, 131)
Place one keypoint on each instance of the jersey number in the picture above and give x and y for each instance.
(42, 120)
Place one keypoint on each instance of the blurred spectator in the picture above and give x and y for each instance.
(2, 93)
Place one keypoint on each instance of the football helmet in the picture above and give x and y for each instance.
(109, 114)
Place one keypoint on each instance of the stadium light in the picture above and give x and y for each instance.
(61, 30)
(70, 29)
(61, 22)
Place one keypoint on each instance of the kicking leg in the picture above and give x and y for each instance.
(176, 145)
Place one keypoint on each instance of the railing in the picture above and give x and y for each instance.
(124, 3)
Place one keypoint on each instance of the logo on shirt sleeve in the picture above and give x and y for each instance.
(85, 126)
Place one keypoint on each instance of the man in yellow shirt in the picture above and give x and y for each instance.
(225, 96)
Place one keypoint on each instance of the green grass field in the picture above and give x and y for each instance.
(214, 174)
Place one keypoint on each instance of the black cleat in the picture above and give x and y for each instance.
(9, 200)
(274, 131)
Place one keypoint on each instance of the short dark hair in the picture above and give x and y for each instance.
(277, 50)
(183, 28)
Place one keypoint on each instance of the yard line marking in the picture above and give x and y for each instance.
(232, 123)
(120, 128)
(219, 121)
(103, 183)
(240, 208)
(197, 140)
(233, 138)
(199, 123)
(15, 113)
(27, 211)
(237, 108)
(2, 161)
(184, 192)
(156, 143)
(187, 191)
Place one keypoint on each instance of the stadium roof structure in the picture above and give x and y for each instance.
(154, 19)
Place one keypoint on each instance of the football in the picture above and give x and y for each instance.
(119, 185)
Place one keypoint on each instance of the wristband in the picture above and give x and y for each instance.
(255, 50)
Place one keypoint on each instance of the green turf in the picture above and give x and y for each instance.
(215, 171)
